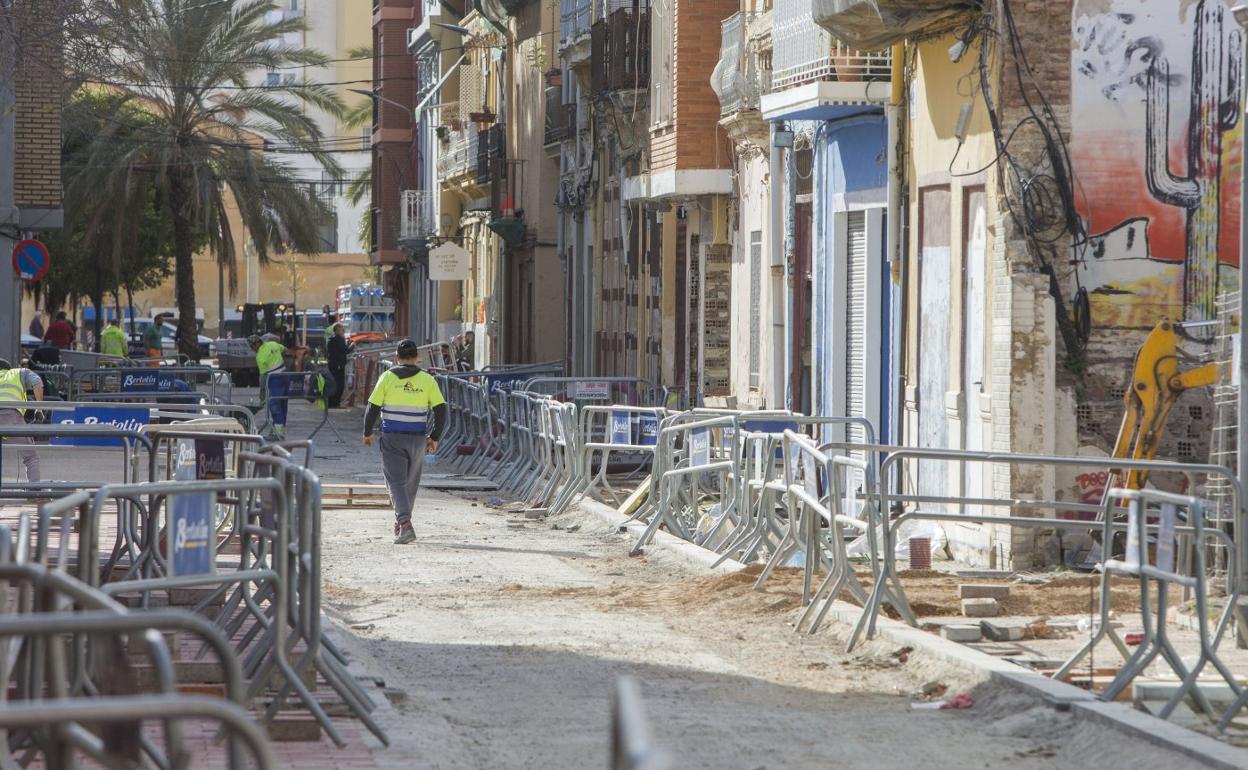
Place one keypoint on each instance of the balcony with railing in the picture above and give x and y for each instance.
(815, 75)
(804, 52)
(620, 50)
(560, 121)
(736, 81)
(491, 152)
(417, 220)
(458, 155)
(507, 214)
(575, 18)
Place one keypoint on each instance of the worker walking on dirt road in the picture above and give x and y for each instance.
(405, 398)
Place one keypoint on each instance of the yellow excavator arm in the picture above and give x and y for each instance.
(1156, 383)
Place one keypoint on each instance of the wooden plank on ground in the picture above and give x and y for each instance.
(633, 501)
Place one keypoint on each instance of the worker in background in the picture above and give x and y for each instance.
(270, 361)
(152, 339)
(405, 398)
(467, 358)
(14, 383)
(336, 352)
(60, 332)
(113, 341)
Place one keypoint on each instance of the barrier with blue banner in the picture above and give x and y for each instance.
(621, 427)
(499, 382)
(190, 530)
(770, 426)
(147, 380)
(125, 418)
(648, 425)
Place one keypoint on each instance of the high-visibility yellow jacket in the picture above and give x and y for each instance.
(405, 401)
(269, 358)
(11, 387)
(113, 341)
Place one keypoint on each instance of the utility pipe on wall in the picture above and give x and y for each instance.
(775, 191)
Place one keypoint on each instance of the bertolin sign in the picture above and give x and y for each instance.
(191, 533)
(146, 381)
(120, 417)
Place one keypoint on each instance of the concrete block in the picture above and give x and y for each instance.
(1002, 632)
(961, 632)
(294, 727)
(979, 608)
(983, 591)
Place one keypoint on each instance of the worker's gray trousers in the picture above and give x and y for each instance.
(402, 460)
(29, 456)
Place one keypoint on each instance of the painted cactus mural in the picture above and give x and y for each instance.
(1156, 147)
(1214, 95)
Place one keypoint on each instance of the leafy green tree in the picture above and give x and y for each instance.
(106, 247)
(214, 133)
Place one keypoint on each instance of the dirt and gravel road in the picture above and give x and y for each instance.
(501, 638)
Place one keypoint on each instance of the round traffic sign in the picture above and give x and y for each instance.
(30, 260)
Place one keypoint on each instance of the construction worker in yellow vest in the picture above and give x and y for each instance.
(113, 341)
(413, 414)
(14, 382)
(270, 361)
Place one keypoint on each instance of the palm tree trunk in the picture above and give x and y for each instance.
(184, 268)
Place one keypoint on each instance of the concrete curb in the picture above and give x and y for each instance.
(1157, 732)
(1210, 752)
(694, 556)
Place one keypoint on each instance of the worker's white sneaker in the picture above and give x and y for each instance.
(404, 533)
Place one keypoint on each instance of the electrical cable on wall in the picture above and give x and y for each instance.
(1039, 193)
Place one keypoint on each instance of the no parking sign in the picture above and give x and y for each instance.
(30, 260)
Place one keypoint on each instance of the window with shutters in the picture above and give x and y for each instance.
(856, 319)
(663, 23)
(756, 301)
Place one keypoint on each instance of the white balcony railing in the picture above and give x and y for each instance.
(417, 220)
(803, 52)
(459, 153)
(576, 17)
(736, 82)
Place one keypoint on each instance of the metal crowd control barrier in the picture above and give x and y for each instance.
(888, 585)
(608, 430)
(157, 410)
(148, 380)
(269, 594)
(774, 490)
(623, 391)
(61, 689)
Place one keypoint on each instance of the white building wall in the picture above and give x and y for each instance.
(753, 179)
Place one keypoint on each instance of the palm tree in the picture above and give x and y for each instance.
(214, 135)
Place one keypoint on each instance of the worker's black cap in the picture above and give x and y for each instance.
(408, 348)
(5, 365)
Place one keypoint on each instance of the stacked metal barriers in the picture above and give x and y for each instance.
(94, 564)
(821, 494)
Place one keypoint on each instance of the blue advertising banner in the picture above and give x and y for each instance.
(621, 427)
(699, 447)
(191, 531)
(124, 417)
(506, 382)
(147, 380)
(649, 428)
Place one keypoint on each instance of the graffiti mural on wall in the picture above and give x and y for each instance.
(1156, 147)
